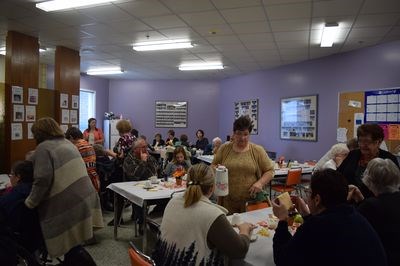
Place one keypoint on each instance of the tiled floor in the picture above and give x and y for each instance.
(110, 252)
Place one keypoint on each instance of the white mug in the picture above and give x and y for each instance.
(147, 184)
(153, 179)
(236, 219)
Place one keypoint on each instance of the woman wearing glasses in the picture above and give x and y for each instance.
(370, 137)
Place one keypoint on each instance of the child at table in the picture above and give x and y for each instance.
(179, 161)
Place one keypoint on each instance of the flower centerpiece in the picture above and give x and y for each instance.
(178, 174)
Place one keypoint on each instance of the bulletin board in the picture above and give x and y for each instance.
(356, 108)
(249, 108)
(171, 114)
(299, 117)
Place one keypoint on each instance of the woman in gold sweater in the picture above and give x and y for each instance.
(250, 168)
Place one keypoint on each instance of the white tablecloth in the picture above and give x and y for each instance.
(260, 252)
(206, 158)
(134, 191)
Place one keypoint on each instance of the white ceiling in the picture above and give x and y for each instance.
(246, 35)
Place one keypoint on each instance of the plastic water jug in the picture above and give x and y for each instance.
(221, 181)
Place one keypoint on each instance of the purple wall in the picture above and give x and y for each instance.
(364, 69)
(135, 99)
(100, 86)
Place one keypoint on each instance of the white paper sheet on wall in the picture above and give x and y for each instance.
(341, 135)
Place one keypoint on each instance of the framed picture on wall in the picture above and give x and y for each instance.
(171, 114)
(299, 118)
(250, 108)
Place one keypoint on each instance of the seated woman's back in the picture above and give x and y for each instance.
(194, 231)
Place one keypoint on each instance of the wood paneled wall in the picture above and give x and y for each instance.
(21, 69)
(66, 76)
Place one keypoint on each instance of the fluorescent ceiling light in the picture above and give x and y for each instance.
(68, 4)
(42, 49)
(162, 45)
(3, 50)
(201, 66)
(329, 34)
(105, 71)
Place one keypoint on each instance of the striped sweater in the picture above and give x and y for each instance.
(67, 203)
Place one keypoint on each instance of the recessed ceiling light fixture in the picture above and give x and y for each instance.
(3, 50)
(162, 45)
(56, 5)
(105, 71)
(329, 34)
(201, 66)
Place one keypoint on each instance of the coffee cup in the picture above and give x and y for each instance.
(147, 184)
(154, 179)
(236, 219)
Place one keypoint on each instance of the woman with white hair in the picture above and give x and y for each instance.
(333, 158)
(382, 177)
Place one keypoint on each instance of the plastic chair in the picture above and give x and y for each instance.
(138, 258)
(256, 205)
(292, 182)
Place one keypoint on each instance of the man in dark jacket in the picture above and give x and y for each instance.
(333, 233)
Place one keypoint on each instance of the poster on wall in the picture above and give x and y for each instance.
(249, 108)
(171, 114)
(30, 113)
(19, 113)
(16, 131)
(63, 100)
(299, 118)
(65, 116)
(75, 101)
(29, 128)
(73, 116)
(33, 96)
(382, 106)
(17, 94)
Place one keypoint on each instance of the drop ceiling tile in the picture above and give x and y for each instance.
(265, 55)
(203, 49)
(163, 22)
(41, 22)
(203, 18)
(336, 8)
(281, 2)
(291, 36)
(380, 6)
(180, 33)
(360, 33)
(226, 39)
(292, 45)
(96, 29)
(13, 11)
(147, 8)
(222, 4)
(260, 46)
(289, 11)
(354, 44)
(145, 36)
(229, 48)
(250, 27)
(256, 38)
(222, 29)
(290, 24)
(376, 20)
(209, 56)
(71, 18)
(246, 14)
(183, 6)
(128, 25)
(105, 13)
(294, 57)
